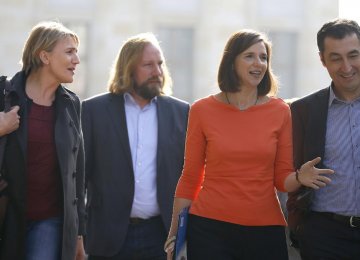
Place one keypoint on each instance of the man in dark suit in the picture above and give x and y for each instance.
(326, 222)
(134, 140)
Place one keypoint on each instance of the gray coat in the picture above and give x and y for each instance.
(69, 147)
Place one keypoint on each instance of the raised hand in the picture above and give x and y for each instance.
(310, 176)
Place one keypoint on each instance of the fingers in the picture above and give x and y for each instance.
(324, 179)
(313, 177)
(170, 248)
(314, 186)
(324, 171)
(313, 162)
(319, 183)
(170, 244)
(15, 109)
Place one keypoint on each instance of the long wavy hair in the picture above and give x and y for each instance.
(121, 77)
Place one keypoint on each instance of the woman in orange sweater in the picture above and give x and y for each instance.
(238, 153)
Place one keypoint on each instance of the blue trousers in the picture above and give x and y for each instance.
(44, 239)
(144, 241)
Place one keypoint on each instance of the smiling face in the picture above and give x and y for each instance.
(60, 63)
(148, 74)
(250, 66)
(341, 57)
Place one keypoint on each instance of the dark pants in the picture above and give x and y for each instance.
(144, 240)
(211, 239)
(323, 238)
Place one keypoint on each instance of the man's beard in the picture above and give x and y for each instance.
(149, 89)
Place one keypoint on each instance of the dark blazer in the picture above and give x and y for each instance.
(69, 147)
(309, 116)
(109, 170)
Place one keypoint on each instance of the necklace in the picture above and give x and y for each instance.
(227, 99)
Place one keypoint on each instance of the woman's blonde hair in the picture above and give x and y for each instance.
(43, 37)
(121, 76)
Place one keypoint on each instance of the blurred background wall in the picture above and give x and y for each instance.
(193, 34)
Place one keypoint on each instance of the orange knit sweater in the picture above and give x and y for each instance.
(235, 160)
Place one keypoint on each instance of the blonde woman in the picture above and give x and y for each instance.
(43, 163)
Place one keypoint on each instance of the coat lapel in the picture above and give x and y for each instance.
(164, 132)
(18, 83)
(66, 134)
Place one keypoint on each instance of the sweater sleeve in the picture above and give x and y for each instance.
(192, 176)
(284, 154)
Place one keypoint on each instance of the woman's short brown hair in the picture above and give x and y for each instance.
(239, 42)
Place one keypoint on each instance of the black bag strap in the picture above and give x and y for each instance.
(7, 107)
(7, 95)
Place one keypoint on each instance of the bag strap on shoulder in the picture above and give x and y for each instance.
(7, 107)
(7, 93)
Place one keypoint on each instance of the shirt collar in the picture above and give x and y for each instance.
(128, 98)
(333, 97)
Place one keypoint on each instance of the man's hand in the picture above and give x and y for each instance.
(9, 121)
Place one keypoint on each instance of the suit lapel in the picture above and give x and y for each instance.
(161, 130)
(318, 124)
(116, 110)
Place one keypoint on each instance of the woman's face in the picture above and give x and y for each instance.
(62, 60)
(250, 66)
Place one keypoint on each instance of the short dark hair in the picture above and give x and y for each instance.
(338, 29)
(239, 42)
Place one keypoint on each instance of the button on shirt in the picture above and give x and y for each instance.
(342, 154)
(143, 136)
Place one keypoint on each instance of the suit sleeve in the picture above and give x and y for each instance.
(80, 179)
(86, 124)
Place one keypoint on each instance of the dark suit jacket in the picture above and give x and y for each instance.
(309, 116)
(109, 170)
(69, 147)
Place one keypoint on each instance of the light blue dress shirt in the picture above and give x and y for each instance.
(342, 154)
(142, 126)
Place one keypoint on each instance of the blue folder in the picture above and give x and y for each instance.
(180, 245)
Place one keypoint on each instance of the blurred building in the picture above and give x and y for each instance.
(193, 34)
